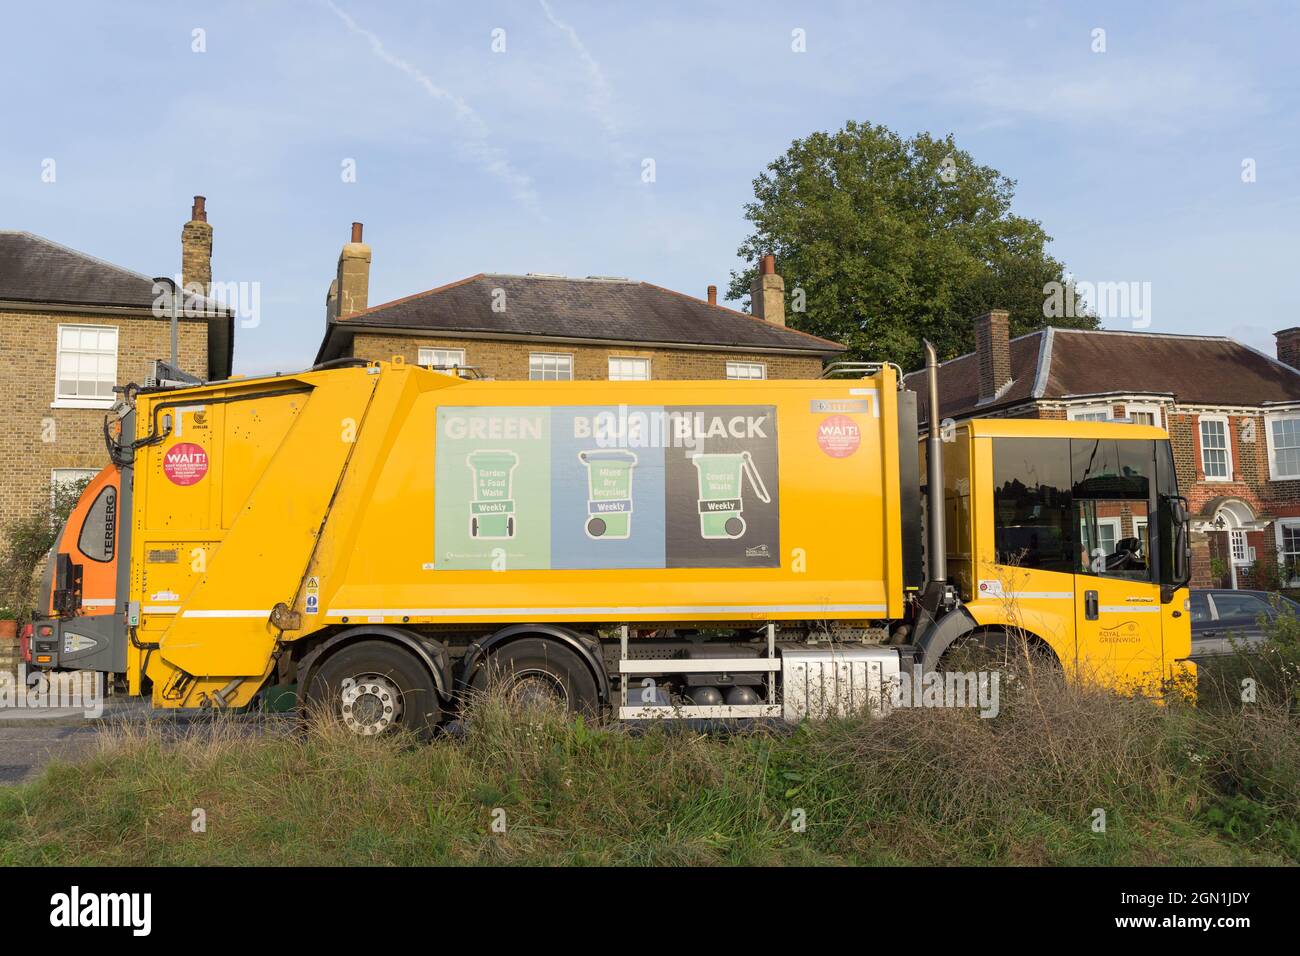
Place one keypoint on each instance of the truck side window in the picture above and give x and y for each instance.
(98, 538)
(1032, 503)
(1112, 485)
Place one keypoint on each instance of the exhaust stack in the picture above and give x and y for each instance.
(937, 547)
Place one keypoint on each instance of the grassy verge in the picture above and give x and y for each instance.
(1178, 785)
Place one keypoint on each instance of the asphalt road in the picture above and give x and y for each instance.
(29, 739)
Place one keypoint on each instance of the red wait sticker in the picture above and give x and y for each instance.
(185, 463)
(839, 436)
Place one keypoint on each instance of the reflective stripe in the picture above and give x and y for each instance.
(1128, 609)
(1036, 595)
(616, 611)
(266, 613)
(160, 608)
(98, 602)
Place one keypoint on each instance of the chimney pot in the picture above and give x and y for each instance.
(767, 265)
(993, 352)
(356, 232)
(713, 295)
(1288, 346)
(199, 213)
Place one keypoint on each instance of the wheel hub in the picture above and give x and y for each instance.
(370, 705)
(537, 687)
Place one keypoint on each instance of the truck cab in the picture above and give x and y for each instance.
(78, 625)
(1075, 533)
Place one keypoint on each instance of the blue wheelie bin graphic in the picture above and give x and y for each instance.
(609, 492)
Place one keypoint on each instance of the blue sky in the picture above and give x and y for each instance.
(530, 160)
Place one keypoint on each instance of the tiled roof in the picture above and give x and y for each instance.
(34, 269)
(1071, 363)
(593, 309)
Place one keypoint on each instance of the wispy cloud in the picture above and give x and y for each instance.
(600, 95)
(477, 145)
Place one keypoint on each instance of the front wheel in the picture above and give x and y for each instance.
(996, 649)
(375, 688)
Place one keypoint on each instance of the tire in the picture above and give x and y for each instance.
(536, 669)
(375, 688)
(996, 649)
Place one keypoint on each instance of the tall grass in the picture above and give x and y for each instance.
(1177, 785)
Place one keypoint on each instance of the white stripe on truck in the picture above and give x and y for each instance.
(813, 609)
(266, 613)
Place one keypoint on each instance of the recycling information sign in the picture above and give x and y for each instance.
(679, 486)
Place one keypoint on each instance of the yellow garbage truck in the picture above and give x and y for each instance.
(388, 538)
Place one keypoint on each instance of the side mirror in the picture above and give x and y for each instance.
(1182, 554)
(1178, 508)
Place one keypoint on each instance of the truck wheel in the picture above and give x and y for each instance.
(373, 687)
(996, 649)
(540, 671)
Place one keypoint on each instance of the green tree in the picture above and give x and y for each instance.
(893, 241)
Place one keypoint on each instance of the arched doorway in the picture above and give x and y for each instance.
(1227, 523)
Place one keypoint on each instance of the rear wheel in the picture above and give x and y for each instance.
(374, 688)
(536, 671)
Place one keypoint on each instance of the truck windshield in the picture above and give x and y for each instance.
(1085, 506)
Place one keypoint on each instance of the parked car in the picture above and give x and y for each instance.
(1221, 615)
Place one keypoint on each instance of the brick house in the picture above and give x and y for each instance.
(1232, 413)
(545, 327)
(71, 328)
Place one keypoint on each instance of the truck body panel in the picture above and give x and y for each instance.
(376, 495)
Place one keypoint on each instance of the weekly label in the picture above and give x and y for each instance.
(606, 487)
(493, 498)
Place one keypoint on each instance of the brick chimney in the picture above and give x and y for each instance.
(993, 350)
(1288, 346)
(352, 284)
(713, 295)
(196, 250)
(767, 292)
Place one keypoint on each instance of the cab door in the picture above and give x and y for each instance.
(1026, 580)
(1117, 596)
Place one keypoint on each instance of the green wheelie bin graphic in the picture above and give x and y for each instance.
(492, 512)
(609, 492)
(721, 502)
